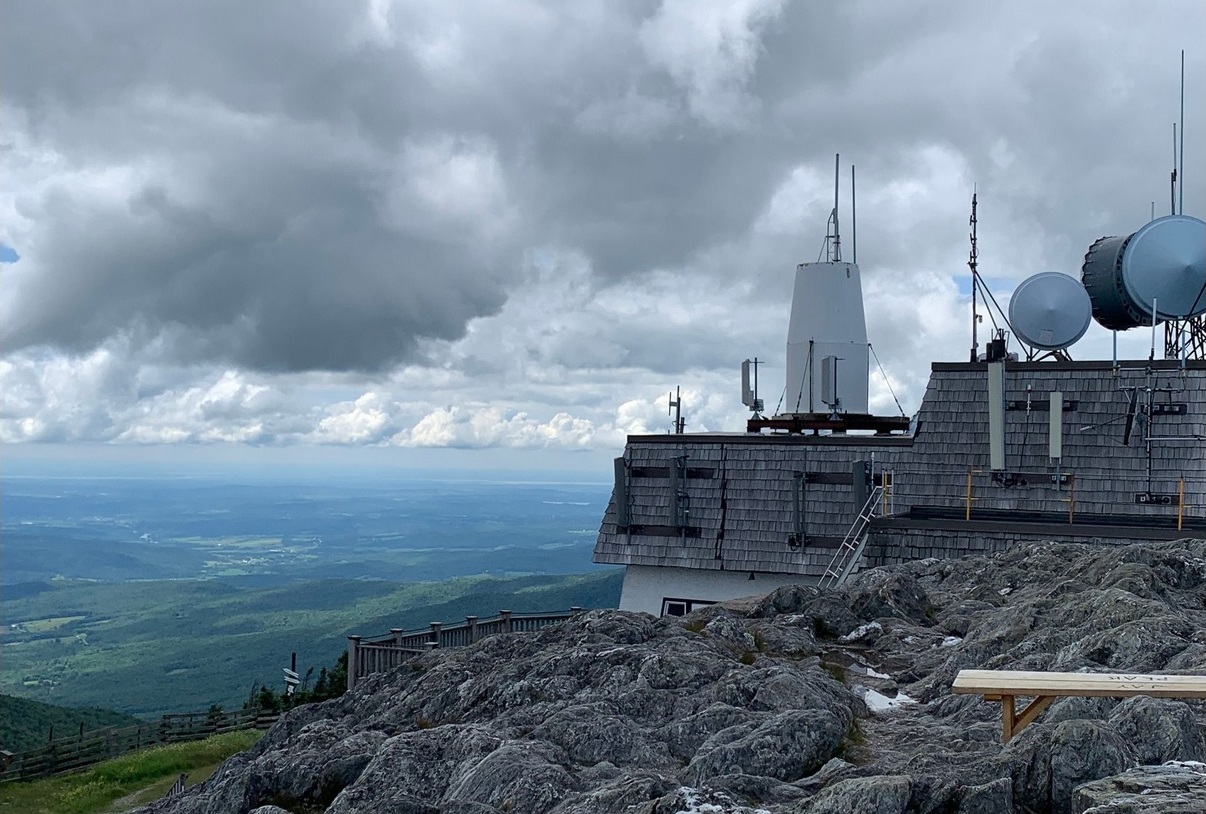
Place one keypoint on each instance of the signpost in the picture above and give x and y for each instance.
(291, 677)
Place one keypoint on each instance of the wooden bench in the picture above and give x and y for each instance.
(1006, 685)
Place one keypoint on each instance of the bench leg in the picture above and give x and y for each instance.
(1013, 722)
(1032, 711)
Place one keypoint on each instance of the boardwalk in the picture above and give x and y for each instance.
(382, 653)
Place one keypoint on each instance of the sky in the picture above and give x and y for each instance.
(501, 233)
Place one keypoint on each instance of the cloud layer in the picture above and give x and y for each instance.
(519, 225)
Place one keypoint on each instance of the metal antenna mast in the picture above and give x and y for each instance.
(1181, 161)
(1183, 338)
(833, 240)
(971, 264)
(853, 220)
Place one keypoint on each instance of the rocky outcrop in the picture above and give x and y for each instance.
(807, 701)
(1170, 788)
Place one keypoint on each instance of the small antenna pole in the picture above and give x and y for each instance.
(1181, 161)
(1151, 357)
(837, 234)
(1172, 189)
(971, 264)
(853, 220)
(676, 410)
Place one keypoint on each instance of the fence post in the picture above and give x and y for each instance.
(575, 609)
(471, 621)
(397, 632)
(353, 660)
(435, 633)
(506, 620)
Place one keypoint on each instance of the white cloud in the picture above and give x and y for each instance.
(471, 426)
(710, 49)
(364, 420)
(450, 184)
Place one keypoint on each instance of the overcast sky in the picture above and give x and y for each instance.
(261, 227)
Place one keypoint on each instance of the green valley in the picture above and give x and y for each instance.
(146, 648)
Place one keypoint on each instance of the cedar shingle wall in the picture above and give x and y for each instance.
(744, 513)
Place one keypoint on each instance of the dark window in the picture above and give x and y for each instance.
(681, 607)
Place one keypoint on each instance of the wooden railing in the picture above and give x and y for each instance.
(83, 750)
(383, 653)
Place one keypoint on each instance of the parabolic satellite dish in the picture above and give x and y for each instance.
(1158, 271)
(1050, 311)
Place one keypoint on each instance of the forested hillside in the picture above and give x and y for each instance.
(25, 724)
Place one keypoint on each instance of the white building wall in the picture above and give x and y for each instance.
(646, 586)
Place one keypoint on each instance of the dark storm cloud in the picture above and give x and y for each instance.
(257, 201)
(291, 186)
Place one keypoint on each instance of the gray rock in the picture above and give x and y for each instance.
(434, 760)
(989, 798)
(683, 738)
(1074, 708)
(1168, 789)
(861, 795)
(879, 594)
(687, 799)
(624, 793)
(788, 746)
(1047, 761)
(592, 733)
(518, 776)
(732, 707)
(1161, 729)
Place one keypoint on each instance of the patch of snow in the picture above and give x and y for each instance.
(1196, 766)
(910, 640)
(871, 672)
(878, 702)
(695, 804)
(1005, 591)
(951, 641)
(861, 631)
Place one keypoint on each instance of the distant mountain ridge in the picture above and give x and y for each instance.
(26, 724)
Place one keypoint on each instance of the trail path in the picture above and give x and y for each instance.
(156, 790)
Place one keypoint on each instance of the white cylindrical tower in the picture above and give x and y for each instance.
(827, 320)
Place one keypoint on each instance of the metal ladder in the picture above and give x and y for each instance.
(850, 551)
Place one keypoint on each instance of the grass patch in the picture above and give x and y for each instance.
(93, 790)
(851, 749)
(836, 670)
(46, 625)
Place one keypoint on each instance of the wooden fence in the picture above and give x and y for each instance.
(83, 750)
(382, 653)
